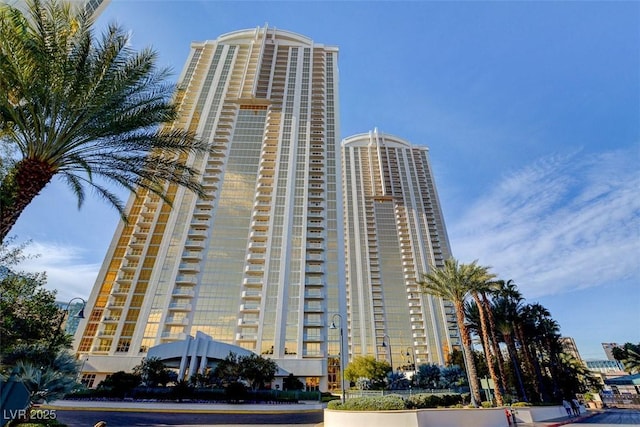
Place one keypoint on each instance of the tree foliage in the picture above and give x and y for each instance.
(29, 324)
(120, 383)
(367, 367)
(428, 376)
(255, 370)
(47, 382)
(153, 372)
(79, 107)
(629, 355)
(29, 311)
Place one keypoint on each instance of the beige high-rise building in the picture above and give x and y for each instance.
(93, 7)
(259, 262)
(394, 232)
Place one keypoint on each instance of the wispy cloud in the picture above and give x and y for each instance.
(565, 222)
(67, 271)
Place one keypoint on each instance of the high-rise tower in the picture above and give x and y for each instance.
(259, 262)
(394, 232)
(93, 7)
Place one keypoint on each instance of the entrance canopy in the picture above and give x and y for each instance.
(194, 355)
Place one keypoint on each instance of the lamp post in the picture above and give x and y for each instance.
(333, 326)
(80, 315)
(412, 356)
(384, 344)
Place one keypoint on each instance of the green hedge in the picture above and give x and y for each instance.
(392, 402)
(425, 400)
(379, 403)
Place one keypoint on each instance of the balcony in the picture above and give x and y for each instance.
(180, 321)
(186, 279)
(256, 257)
(177, 336)
(250, 308)
(252, 282)
(177, 306)
(192, 255)
(251, 295)
(183, 292)
(248, 323)
(198, 232)
(314, 294)
(246, 337)
(189, 267)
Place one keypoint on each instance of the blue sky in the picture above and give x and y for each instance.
(531, 112)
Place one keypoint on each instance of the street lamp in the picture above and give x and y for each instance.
(409, 357)
(333, 326)
(80, 315)
(384, 344)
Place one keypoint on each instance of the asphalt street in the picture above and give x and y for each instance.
(85, 418)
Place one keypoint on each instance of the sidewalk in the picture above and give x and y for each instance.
(211, 408)
(559, 421)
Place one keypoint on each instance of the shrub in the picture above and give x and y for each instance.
(378, 403)
(520, 404)
(235, 392)
(486, 404)
(426, 400)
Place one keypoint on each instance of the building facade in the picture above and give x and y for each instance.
(608, 349)
(258, 262)
(395, 231)
(93, 7)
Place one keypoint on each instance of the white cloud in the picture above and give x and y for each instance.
(563, 223)
(67, 272)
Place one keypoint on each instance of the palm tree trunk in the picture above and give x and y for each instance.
(474, 383)
(513, 353)
(494, 342)
(18, 188)
(528, 360)
(486, 346)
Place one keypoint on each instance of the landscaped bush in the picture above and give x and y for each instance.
(235, 392)
(486, 404)
(378, 403)
(521, 404)
(326, 397)
(425, 400)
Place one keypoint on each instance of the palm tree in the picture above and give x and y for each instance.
(481, 283)
(486, 303)
(507, 306)
(631, 361)
(46, 380)
(453, 282)
(81, 107)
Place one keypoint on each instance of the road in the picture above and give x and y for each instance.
(613, 417)
(86, 418)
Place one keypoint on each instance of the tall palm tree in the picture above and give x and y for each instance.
(531, 317)
(82, 107)
(481, 282)
(507, 306)
(486, 303)
(452, 282)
